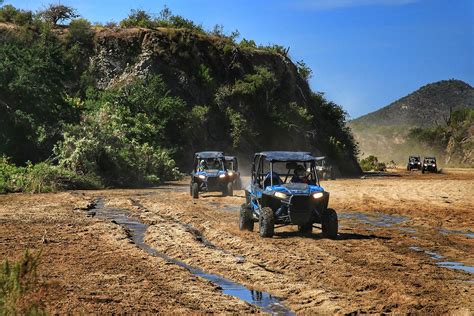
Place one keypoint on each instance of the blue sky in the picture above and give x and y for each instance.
(364, 53)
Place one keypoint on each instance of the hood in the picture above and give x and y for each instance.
(211, 172)
(296, 188)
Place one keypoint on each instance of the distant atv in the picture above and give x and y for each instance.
(284, 190)
(414, 163)
(429, 165)
(324, 169)
(209, 174)
(232, 167)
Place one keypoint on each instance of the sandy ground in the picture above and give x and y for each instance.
(395, 234)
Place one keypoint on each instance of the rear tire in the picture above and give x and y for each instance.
(266, 223)
(305, 229)
(246, 218)
(329, 223)
(195, 190)
(229, 189)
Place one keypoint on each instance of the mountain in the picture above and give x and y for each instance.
(425, 107)
(387, 132)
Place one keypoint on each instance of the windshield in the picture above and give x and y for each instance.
(281, 173)
(229, 165)
(210, 164)
(414, 159)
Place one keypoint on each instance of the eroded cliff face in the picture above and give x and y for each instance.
(255, 99)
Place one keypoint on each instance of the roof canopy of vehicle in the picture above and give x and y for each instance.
(230, 158)
(209, 154)
(287, 156)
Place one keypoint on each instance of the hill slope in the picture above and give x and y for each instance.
(388, 132)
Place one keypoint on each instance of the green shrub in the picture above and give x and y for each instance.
(79, 31)
(244, 43)
(304, 70)
(10, 14)
(238, 126)
(204, 75)
(17, 284)
(371, 163)
(41, 177)
(122, 136)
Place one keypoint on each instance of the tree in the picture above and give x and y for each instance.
(55, 13)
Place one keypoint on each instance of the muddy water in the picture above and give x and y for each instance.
(445, 264)
(137, 230)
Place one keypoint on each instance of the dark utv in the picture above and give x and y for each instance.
(209, 174)
(232, 167)
(284, 190)
(414, 162)
(429, 165)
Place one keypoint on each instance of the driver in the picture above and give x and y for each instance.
(202, 165)
(299, 175)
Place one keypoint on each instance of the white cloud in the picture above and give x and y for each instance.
(338, 4)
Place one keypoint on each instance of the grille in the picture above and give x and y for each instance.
(213, 184)
(299, 203)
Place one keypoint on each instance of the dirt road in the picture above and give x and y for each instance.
(406, 244)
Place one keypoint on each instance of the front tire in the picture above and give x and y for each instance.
(246, 219)
(266, 223)
(329, 223)
(195, 190)
(238, 184)
(229, 189)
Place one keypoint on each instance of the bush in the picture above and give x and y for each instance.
(304, 70)
(204, 75)
(238, 126)
(17, 284)
(122, 136)
(371, 163)
(10, 14)
(40, 178)
(141, 18)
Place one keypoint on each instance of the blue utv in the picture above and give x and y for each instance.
(210, 175)
(284, 190)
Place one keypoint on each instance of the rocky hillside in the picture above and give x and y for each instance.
(393, 132)
(177, 89)
(253, 99)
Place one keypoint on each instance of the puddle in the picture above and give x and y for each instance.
(445, 264)
(136, 230)
(376, 219)
(458, 232)
(456, 266)
(231, 207)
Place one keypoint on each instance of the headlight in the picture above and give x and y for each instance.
(222, 175)
(318, 195)
(280, 195)
(230, 173)
(201, 176)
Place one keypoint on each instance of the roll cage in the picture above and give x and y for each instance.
(231, 163)
(264, 177)
(209, 156)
